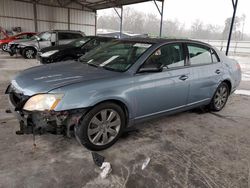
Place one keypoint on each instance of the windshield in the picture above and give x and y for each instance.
(116, 55)
(42, 36)
(80, 42)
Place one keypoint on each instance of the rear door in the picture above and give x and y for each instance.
(205, 72)
(167, 90)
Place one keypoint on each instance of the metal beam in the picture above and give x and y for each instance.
(35, 17)
(120, 15)
(235, 3)
(68, 18)
(161, 14)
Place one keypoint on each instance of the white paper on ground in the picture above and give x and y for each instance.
(145, 163)
(242, 92)
(106, 169)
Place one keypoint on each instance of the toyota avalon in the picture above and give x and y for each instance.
(120, 84)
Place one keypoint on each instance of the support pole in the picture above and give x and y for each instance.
(68, 18)
(235, 3)
(161, 14)
(161, 18)
(120, 15)
(35, 17)
(95, 23)
(121, 21)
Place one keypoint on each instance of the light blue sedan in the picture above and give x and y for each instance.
(119, 84)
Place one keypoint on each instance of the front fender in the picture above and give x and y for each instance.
(89, 95)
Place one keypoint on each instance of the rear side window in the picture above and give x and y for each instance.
(215, 57)
(170, 56)
(67, 36)
(199, 54)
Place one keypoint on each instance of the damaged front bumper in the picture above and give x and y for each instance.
(41, 122)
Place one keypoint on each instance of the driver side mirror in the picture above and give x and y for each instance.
(152, 68)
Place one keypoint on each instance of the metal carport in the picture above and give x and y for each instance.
(94, 5)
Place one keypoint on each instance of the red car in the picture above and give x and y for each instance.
(4, 42)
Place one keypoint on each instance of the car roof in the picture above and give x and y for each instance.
(100, 37)
(68, 31)
(162, 40)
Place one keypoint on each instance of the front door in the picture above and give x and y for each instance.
(166, 90)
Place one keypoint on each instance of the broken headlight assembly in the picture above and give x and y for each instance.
(43, 102)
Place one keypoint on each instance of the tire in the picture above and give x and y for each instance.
(5, 47)
(98, 133)
(29, 53)
(220, 97)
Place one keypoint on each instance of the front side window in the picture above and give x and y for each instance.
(115, 55)
(199, 54)
(170, 56)
(44, 36)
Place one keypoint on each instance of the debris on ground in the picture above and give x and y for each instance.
(8, 111)
(98, 159)
(106, 169)
(128, 131)
(145, 163)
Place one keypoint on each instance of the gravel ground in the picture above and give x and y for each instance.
(190, 149)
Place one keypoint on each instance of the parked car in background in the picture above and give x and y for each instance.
(4, 42)
(119, 84)
(29, 48)
(71, 51)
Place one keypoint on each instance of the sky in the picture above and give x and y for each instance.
(187, 11)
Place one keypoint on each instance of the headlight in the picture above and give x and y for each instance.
(43, 102)
(49, 53)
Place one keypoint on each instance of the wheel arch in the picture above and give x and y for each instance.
(229, 84)
(28, 47)
(119, 103)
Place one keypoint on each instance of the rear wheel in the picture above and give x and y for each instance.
(101, 127)
(5, 47)
(29, 53)
(220, 97)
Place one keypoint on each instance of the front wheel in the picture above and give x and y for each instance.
(5, 47)
(101, 127)
(29, 53)
(220, 97)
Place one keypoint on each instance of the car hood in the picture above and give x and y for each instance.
(59, 47)
(45, 78)
(21, 41)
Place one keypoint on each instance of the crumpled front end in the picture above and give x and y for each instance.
(41, 122)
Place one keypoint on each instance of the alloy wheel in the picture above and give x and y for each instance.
(104, 127)
(5, 47)
(29, 54)
(220, 98)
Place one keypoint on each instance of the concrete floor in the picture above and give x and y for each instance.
(189, 149)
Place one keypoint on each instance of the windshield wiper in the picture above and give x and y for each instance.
(111, 69)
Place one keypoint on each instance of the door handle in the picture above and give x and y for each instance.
(217, 71)
(183, 77)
